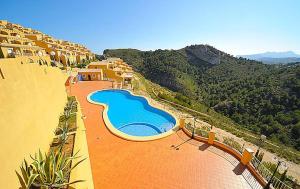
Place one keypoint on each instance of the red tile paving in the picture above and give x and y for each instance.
(118, 163)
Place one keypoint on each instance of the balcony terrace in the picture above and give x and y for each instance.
(176, 161)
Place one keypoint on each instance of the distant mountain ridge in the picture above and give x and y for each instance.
(274, 57)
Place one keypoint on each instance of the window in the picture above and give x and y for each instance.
(83, 75)
(93, 75)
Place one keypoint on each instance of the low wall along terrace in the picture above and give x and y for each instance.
(83, 171)
(31, 98)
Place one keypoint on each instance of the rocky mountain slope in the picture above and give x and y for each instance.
(260, 97)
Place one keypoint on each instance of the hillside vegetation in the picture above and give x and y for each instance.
(262, 98)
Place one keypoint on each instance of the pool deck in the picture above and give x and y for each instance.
(119, 163)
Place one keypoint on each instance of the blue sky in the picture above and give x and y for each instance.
(234, 26)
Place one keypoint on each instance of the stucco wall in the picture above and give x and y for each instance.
(107, 72)
(31, 99)
(94, 75)
(111, 74)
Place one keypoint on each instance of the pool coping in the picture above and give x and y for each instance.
(125, 136)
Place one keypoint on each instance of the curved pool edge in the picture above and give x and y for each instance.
(125, 136)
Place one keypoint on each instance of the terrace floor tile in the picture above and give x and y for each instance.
(118, 163)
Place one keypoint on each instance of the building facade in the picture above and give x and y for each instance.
(114, 69)
(90, 75)
(14, 44)
(16, 40)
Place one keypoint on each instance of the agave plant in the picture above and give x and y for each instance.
(27, 176)
(49, 171)
(68, 111)
(67, 114)
(70, 105)
(63, 136)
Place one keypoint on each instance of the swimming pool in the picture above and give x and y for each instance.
(132, 117)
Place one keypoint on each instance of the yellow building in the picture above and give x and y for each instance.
(114, 69)
(63, 52)
(16, 40)
(14, 44)
(90, 75)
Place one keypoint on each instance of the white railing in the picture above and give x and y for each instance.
(258, 165)
(267, 174)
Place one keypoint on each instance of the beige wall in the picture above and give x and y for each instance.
(31, 99)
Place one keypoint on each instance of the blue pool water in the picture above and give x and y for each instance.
(132, 114)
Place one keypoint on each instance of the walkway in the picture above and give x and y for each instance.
(118, 163)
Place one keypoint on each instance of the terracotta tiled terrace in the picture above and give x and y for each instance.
(118, 163)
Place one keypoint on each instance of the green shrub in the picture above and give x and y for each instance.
(189, 127)
(83, 65)
(201, 132)
(232, 143)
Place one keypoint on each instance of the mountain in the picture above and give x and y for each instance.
(267, 60)
(263, 98)
(274, 57)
